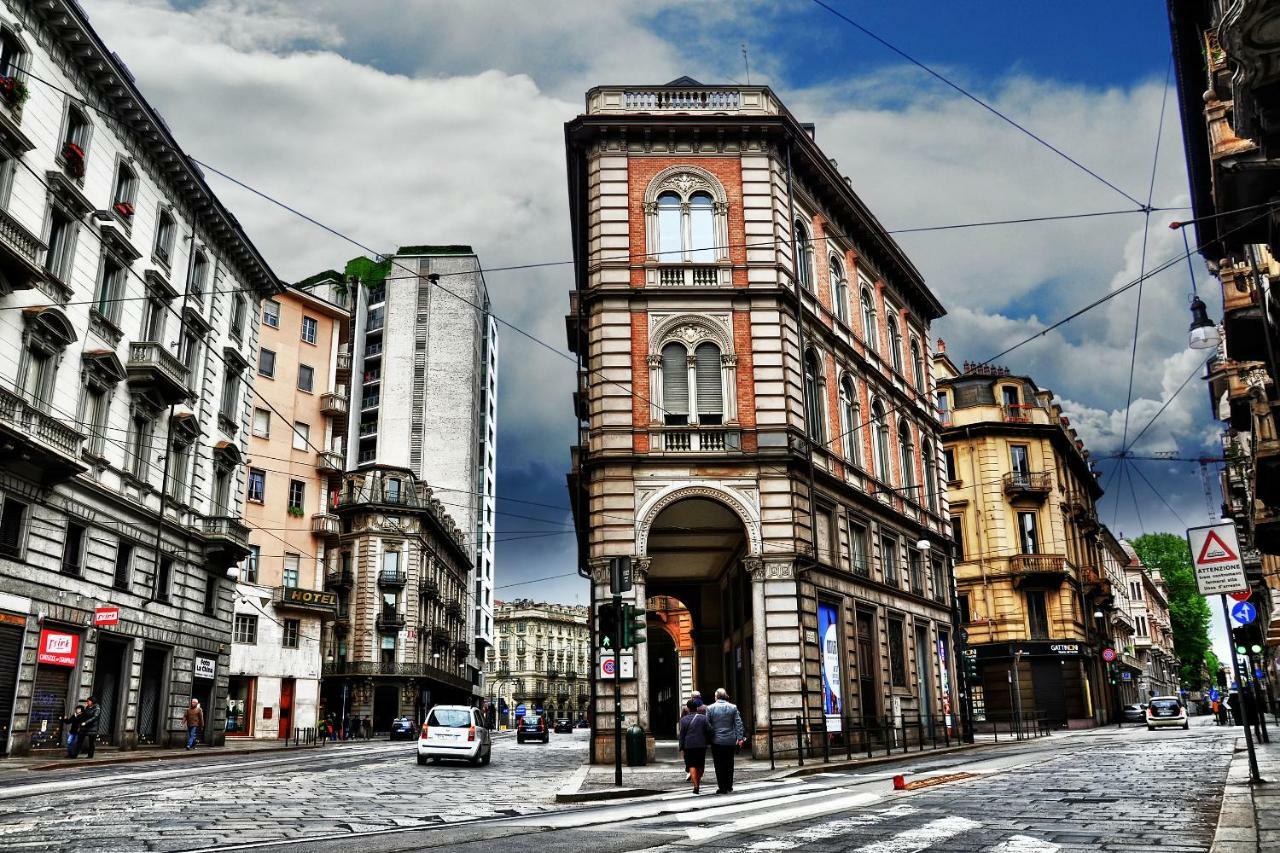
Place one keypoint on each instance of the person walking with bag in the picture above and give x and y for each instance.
(73, 736)
(728, 735)
(88, 727)
(695, 736)
(193, 718)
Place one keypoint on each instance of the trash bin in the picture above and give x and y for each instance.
(635, 747)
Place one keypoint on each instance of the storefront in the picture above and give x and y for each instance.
(155, 661)
(57, 656)
(1052, 680)
(204, 673)
(241, 695)
(12, 628)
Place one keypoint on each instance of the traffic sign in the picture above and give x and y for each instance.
(608, 661)
(1215, 553)
(520, 710)
(1242, 595)
(1214, 695)
(1108, 655)
(1244, 613)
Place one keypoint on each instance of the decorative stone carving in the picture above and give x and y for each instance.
(640, 568)
(599, 568)
(775, 570)
(754, 566)
(655, 360)
(692, 329)
(714, 493)
(685, 179)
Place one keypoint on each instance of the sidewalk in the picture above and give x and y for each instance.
(1250, 817)
(57, 760)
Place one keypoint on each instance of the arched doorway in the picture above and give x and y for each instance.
(700, 609)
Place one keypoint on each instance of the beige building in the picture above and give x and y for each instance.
(1030, 569)
(297, 431)
(757, 427)
(542, 659)
(1153, 632)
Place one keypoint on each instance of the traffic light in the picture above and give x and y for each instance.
(971, 675)
(607, 625)
(633, 625)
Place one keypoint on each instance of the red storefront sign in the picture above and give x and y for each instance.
(58, 648)
(106, 616)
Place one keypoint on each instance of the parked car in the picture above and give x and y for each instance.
(1135, 713)
(1165, 711)
(454, 731)
(402, 728)
(564, 727)
(533, 727)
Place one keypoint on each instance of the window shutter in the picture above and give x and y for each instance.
(675, 379)
(707, 371)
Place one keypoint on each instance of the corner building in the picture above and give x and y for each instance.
(756, 422)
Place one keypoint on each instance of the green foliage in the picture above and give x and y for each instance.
(1188, 609)
(369, 272)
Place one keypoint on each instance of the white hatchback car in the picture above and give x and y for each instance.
(1165, 711)
(454, 731)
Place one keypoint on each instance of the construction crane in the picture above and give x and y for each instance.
(1172, 456)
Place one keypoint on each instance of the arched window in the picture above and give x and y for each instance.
(930, 477)
(813, 397)
(895, 340)
(707, 385)
(126, 192)
(869, 320)
(850, 420)
(880, 442)
(907, 458)
(917, 364)
(804, 256)
(670, 230)
(839, 290)
(702, 229)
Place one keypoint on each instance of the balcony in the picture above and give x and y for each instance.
(390, 620)
(429, 589)
(696, 440)
(226, 539)
(1017, 413)
(152, 366)
(324, 604)
(683, 95)
(1035, 485)
(339, 579)
(403, 670)
(454, 609)
(31, 434)
(393, 579)
(1041, 570)
(1243, 328)
(344, 359)
(329, 462)
(326, 525)
(334, 403)
(687, 275)
(439, 635)
(461, 650)
(20, 256)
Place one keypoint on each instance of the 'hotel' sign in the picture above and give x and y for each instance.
(309, 599)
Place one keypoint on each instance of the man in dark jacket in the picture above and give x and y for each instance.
(88, 727)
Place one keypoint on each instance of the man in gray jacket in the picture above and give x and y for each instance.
(727, 736)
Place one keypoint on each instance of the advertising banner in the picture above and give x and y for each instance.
(944, 673)
(829, 632)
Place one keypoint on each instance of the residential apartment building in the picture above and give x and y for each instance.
(400, 568)
(128, 321)
(1120, 626)
(757, 429)
(1226, 70)
(296, 450)
(542, 659)
(1153, 631)
(424, 353)
(1030, 570)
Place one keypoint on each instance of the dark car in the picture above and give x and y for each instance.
(564, 727)
(1135, 713)
(533, 727)
(403, 728)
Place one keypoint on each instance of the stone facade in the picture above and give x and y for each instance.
(726, 398)
(542, 659)
(128, 314)
(1153, 631)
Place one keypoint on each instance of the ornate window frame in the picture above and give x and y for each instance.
(45, 331)
(685, 180)
(691, 330)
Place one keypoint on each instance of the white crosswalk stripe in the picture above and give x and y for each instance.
(1025, 844)
(821, 832)
(922, 837)
(773, 816)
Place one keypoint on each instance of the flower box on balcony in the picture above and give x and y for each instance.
(73, 160)
(13, 90)
(123, 208)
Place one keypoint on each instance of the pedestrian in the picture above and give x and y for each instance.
(368, 728)
(73, 730)
(695, 736)
(193, 718)
(87, 740)
(728, 735)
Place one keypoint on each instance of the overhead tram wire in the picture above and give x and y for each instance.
(1193, 374)
(972, 97)
(1134, 468)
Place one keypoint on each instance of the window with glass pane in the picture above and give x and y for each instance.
(858, 540)
(239, 308)
(707, 375)
(257, 485)
(1020, 461)
(97, 403)
(895, 339)
(675, 384)
(930, 477)
(179, 466)
(917, 365)
(1010, 395)
(62, 229)
(839, 289)
(880, 427)
(110, 289)
(897, 654)
(166, 230)
(813, 397)
(938, 579)
(306, 377)
(73, 548)
(271, 313)
(850, 415)
(949, 464)
(297, 496)
(804, 255)
(908, 459)
(189, 353)
(267, 363)
(869, 332)
(249, 574)
(823, 534)
(155, 313)
(291, 564)
(245, 629)
(292, 631)
(261, 423)
(889, 560)
(301, 435)
(702, 229)
(123, 564)
(140, 447)
(670, 245)
(1028, 535)
(199, 276)
(230, 408)
(1037, 615)
(309, 329)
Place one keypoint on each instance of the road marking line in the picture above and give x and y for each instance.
(701, 833)
(754, 805)
(1025, 844)
(922, 837)
(822, 831)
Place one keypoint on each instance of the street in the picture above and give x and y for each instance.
(1105, 789)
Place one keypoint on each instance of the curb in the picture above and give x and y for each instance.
(1237, 830)
(139, 756)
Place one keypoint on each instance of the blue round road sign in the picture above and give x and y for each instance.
(520, 709)
(1244, 613)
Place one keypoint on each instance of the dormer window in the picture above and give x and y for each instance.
(126, 192)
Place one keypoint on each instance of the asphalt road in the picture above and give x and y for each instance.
(1109, 790)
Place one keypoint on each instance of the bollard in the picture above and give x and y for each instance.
(899, 783)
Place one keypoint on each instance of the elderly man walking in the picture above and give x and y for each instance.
(727, 736)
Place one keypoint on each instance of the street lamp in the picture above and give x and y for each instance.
(1204, 332)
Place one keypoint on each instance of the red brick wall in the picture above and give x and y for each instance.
(744, 376)
(640, 399)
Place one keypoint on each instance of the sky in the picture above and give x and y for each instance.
(421, 121)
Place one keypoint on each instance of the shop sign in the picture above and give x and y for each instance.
(104, 617)
(204, 667)
(1065, 648)
(58, 648)
(308, 599)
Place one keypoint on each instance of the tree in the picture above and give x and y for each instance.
(1188, 609)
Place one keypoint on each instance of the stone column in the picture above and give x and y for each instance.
(639, 580)
(754, 566)
(784, 635)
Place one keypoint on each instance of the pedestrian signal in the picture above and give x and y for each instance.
(633, 625)
(607, 625)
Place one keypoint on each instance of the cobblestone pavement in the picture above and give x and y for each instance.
(222, 798)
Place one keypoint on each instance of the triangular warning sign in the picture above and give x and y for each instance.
(1215, 551)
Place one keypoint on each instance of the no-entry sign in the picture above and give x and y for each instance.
(1215, 554)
